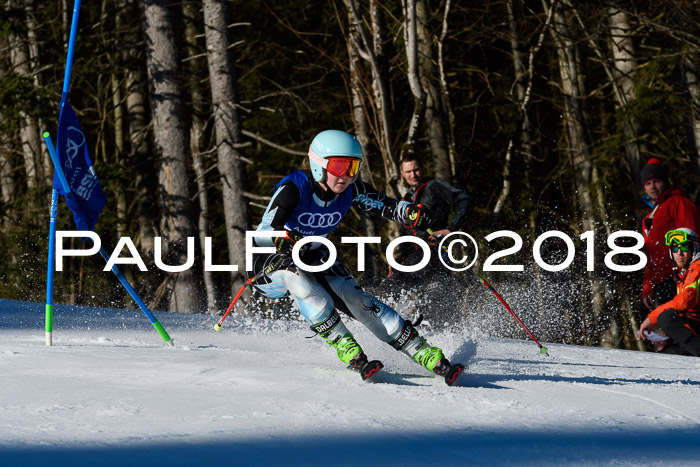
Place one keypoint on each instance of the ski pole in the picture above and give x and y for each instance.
(271, 268)
(543, 349)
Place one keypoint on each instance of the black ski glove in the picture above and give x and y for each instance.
(284, 245)
(419, 217)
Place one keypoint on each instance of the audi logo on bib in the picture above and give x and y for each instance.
(318, 220)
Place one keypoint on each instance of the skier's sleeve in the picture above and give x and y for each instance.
(369, 199)
(686, 298)
(457, 199)
(280, 207)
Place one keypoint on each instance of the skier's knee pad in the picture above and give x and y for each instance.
(278, 283)
(312, 301)
(298, 283)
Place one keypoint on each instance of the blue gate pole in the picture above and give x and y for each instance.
(64, 183)
(48, 320)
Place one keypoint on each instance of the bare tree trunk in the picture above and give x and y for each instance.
(66, 16)
(624, 69)
(203, 221)
(691, 75)
(120, 156)
(119, 148)
(171, 137)
(612, 336)
(523, 92)
(118, 116)
(574, 120)
(621, 75)
(633, 326)
(140, 154)
(414, 81)
(29, 130)
(118, 106)
(436, 124)
(227, 125)
(445, 91)
(359, 117)
(140, 157)
(33, 44)
(195, 74)
(117, 109)
(368, 51)
(380, 67)
(519, 71)
(8, 184)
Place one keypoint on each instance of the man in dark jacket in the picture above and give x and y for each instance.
(672, 210)
(440, 197)
(449, 208)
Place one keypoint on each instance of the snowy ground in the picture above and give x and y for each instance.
(110, 393)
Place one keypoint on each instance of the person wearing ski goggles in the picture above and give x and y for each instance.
(671, 209)
(313, 203)
(679, 318)
(343, 166)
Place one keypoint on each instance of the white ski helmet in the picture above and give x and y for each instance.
(331, 143)
(684, 236)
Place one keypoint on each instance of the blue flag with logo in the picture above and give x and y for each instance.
(86, 199)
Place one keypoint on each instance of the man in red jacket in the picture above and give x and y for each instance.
(679, 318)
(672, 210)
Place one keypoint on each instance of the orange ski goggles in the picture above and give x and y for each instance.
(343, 166)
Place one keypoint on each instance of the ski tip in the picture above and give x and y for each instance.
(370, 369)
(454, 372)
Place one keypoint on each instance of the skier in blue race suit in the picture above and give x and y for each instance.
(307, 203)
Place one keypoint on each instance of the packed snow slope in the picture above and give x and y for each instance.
(109, 392)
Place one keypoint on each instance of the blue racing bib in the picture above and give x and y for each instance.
(310, 218)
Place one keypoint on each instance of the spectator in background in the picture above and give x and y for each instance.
(450, 208)
(672, 210)
(439, 197)
(679, 318)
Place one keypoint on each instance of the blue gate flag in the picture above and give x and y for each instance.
(86, 198)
